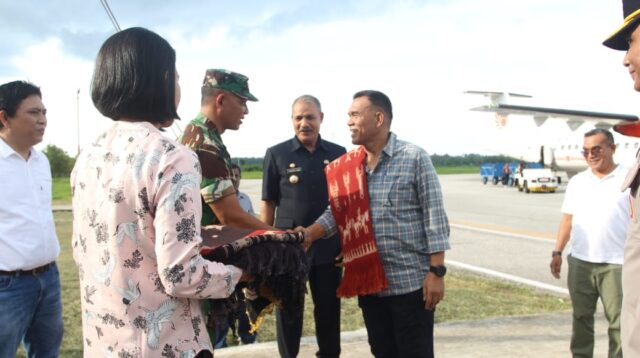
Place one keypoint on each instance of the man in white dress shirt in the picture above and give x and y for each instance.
(30, 302)
(595, 216)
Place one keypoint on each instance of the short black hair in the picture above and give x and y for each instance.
(606, 133)
(13, 93)
(377, 99)
(236, 166)
(135, 77)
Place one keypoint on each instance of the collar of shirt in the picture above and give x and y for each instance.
(126, 125)
(390, 148)
(295, 144)
(618, 170)
(6, 151)
(205, 122)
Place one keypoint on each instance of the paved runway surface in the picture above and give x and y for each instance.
(493, 227)
(506, 337)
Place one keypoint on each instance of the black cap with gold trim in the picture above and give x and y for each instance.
(631, 13)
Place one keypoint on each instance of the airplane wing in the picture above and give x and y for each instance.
(494, 93)
(574, 118)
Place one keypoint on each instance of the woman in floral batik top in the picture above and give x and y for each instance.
(136, 213)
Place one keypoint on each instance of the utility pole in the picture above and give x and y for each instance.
(78, 119)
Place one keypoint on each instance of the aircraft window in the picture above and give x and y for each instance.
(562, 147)
(636, 145)
(626, 146)
(576, 147)
(618, 145)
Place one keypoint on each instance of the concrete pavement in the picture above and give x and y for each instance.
(544, 335)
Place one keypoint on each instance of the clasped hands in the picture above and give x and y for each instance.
(307, 236)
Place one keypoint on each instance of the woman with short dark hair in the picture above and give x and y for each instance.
(135, 77)
(136, 202)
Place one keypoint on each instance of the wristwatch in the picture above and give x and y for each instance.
(439, 271)
(556, 253)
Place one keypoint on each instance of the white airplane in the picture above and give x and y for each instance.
(560, 146)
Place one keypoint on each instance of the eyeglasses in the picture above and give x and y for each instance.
(594, 151)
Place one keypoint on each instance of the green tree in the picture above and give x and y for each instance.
(61, 163)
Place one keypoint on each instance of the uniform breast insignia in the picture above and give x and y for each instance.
(293, 173)
(326, 161)
(292, 165)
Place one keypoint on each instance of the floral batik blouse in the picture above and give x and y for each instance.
(136, 242)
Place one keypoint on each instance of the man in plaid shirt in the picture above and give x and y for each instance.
(411, 232)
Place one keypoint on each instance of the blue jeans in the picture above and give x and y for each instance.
(31, 313)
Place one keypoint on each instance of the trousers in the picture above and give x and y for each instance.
(587, 282)
(398, 326)
(324, 280)
(31, 314)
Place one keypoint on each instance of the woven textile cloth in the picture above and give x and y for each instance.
(276, 260)
(349, 200)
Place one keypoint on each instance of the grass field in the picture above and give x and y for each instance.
(467, 297)
(252, 175)
(62, 190)
(461, 169)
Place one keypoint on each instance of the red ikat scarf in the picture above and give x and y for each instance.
(349, 200)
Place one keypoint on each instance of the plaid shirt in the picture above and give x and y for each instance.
(407, 213)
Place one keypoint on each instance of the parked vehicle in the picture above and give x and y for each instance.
(495, 173)
(537, 180)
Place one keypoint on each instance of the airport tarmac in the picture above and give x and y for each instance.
(493, 227)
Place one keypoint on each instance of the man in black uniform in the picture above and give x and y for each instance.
(294, 193)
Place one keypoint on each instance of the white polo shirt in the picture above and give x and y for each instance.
(27, 231)
(600, 216)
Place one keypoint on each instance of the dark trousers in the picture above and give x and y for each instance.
(398, 326)
(323, 281)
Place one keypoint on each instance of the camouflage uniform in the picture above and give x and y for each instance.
(202, 136)
(204, 139)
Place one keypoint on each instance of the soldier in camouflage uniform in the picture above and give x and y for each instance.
(223, 106)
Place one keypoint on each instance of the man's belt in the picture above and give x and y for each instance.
(33, 271)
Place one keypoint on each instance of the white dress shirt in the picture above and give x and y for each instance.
(27, 230)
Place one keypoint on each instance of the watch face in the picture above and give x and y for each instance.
(439, 271)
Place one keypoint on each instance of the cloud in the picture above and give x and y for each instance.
(84, 25)
(423, 54)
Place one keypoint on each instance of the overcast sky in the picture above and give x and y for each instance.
(423, 54)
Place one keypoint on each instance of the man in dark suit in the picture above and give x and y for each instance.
(294, 193)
